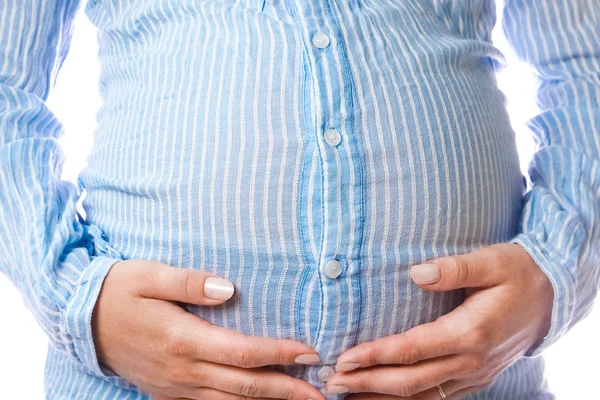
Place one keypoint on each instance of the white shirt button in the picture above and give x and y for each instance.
(332, 137)
(320, 40)
(324, 373)
(333, 269)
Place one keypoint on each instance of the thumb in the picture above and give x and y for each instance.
(456, 272)
(165, 282)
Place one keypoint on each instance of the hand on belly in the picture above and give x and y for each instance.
(506, 312)
(144, 336)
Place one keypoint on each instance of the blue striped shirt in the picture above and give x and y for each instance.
(263, 140)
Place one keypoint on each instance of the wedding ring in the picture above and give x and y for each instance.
(441, 391)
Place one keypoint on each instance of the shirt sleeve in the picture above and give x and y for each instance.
(46, 249)
(560, 221)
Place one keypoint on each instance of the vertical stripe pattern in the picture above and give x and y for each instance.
(210, 153)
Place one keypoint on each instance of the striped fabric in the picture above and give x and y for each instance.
(210, 153)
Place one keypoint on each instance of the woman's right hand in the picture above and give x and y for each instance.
(144, 336)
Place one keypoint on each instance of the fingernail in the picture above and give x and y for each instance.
(218, 288)
(337, 389)
(425, 274)
(346, 366)
(308, 359)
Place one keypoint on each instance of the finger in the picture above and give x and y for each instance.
(258, 383)
(201, 340)
(403, 381)
(453, 389)
(206, 393)
(444, 336)
(372, 396)
(214, 394)
(161, 281)
(464, 392)
(476, 269)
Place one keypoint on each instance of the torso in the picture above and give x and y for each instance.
(210, 154)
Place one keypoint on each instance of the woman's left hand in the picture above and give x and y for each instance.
(507, 311)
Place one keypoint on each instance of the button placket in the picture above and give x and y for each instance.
(332, 137)
(332, 90)
(320, 40)
(333, 269)
(325, 372)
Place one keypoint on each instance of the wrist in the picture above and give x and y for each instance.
(543, 299)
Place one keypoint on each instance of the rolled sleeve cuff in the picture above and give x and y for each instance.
(562, 284)
(78, 314)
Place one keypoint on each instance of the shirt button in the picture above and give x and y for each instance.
(333, 269)
(324, 373)
(320, 40)
(332, 137)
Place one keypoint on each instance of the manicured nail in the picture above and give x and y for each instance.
(218, 288)
(309, 359)
(425, 274)
(346, 366)
(337, 389)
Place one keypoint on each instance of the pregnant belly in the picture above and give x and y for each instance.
(317, 255)
(316, 232)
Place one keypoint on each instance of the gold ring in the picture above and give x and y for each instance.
(441, 391)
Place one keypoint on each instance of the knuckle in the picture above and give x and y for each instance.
(478, 339)
(179, 376)
(294, 392)
(183, 283)
(245, 358)
(372, 356)
(249, 388)
(475, 366)
(279, 350)
(201, 375)
(410, 355)
(461, 268)
(176, 344)
(360, 385)
(406, 389)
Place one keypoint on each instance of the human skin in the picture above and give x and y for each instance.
(144, 336)
(507, 310)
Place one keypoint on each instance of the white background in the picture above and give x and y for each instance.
(572, 364)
